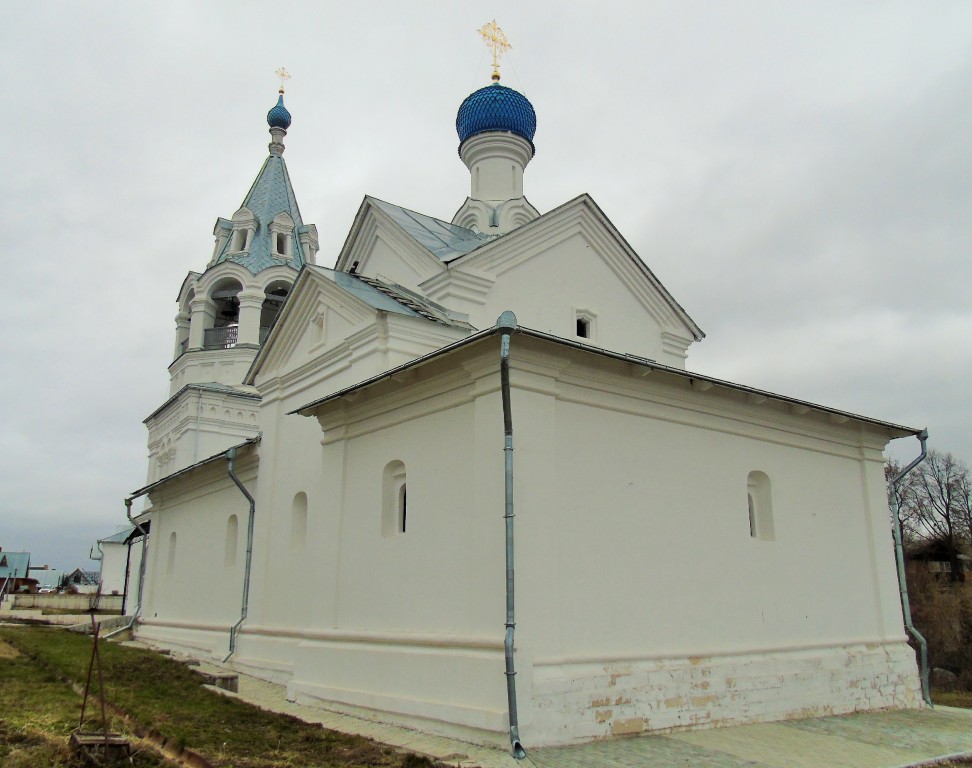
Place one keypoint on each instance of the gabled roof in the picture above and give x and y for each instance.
(377, 294)
(79, 576)
(391, 297)
(453, 245)
(119, 538)
(444, 240)
(14, 562)
(270, 195)
(193, 467)
(695, 380)
(434, 240)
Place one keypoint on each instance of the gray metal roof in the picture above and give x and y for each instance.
(308, 409)
(14, 562)
(192, 467)
(390, 297)
(118, 538)
(270, 195)
(213, 386)
(444, 240)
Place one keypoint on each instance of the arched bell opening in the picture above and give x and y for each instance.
(224, 332)
(274, 297)
(183, 324)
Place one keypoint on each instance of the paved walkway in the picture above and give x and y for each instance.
(867, 740)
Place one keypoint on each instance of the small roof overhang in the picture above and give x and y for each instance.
(706, 382)
(192, 468)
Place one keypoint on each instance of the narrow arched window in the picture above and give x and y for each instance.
(393, 499)
(759, 498)
(298, 521)
(401, 508)
(232, 534)
(170, 565)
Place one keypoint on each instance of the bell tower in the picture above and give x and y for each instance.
(226, 313)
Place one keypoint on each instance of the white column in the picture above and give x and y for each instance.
(182, 333)
(203, 313)
(251, 307)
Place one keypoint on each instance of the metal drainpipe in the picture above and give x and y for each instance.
(506, 325)
(230, 456)
(141, 572)
(128, 571)
(899, 557)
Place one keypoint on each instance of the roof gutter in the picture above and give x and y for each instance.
(706, 381)
(899, 558)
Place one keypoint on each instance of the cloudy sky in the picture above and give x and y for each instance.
(799, 175)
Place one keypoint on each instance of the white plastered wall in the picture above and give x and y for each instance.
(643, 601)
(191, 599)
(113, 561)
(408, 625)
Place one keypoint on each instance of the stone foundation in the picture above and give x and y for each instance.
(576, 702)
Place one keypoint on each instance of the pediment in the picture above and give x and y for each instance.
(318, 315)
(564, 241)
(379, 245)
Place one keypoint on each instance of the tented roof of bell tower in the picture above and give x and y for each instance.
(270, 195)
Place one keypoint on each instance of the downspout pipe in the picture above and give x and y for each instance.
(230, 458)
(506, 326)
(899, 558)
(141, 571)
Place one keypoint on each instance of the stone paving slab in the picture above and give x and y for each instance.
(940, 731)
(781, 746)
(894, 739)
(654, 751)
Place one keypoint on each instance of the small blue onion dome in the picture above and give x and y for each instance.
(496, 108)
(279, 117)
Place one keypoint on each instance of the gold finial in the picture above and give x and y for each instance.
(494, 38)
(284, 76)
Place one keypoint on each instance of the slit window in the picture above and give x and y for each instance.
(232, 534)
(298, 522)
(170, 565)
(393, 500)
(402, 493)
(759, 498)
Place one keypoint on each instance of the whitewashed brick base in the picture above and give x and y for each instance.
(578, 702)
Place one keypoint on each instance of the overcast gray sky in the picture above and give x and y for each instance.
(799, 175)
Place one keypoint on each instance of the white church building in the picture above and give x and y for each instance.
(508, 388)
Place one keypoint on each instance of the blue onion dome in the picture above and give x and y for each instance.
(279, 117)
(496, 108)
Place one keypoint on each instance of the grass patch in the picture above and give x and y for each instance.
(37, 714)
(162, 695)
(953, 698)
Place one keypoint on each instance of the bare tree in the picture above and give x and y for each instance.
(935, 501)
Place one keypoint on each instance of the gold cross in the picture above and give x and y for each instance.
(494, 38)
(284, 76)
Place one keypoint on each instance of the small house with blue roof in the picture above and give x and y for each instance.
(520, 517)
